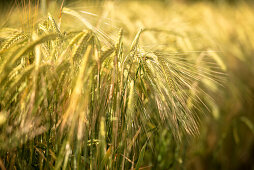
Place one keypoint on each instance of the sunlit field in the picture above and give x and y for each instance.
(127, 85)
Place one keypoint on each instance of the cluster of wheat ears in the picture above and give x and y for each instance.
(82, 98)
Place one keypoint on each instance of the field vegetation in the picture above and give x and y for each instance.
(127, 85)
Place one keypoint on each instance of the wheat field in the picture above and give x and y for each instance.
(126, 85)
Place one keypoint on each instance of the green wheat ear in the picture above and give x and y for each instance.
(54, 25)
(16, 38)
(80, 46)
